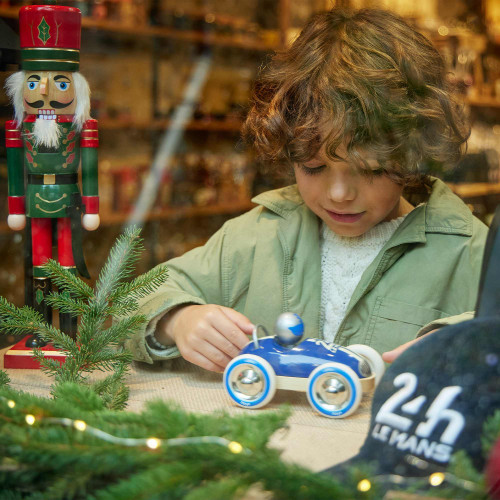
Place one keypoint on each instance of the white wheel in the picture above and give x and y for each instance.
(334, 390)
(250, 381)
(373, 358)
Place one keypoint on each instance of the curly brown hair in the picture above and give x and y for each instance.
(379, 85)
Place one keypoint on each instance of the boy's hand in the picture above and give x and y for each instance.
(390, 356)
(206, 335)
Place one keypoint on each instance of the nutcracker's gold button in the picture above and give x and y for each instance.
(65, 153)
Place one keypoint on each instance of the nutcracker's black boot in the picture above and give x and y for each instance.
(68, 324)
(41, 288)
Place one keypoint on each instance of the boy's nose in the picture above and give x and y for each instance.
(341, 191)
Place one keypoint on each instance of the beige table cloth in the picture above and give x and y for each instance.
(311, 440)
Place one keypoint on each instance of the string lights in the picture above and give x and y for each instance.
(152, 443)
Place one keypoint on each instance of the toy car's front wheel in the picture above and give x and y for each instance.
(334, 390)
(250, 381)
(374, 359)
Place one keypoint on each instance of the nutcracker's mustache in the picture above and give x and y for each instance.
(53, 104)
(46, 133)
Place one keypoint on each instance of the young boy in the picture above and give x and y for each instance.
(365, 247)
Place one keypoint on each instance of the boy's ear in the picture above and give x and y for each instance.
(488, 300)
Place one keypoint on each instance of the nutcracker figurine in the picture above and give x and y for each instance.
(52, 131)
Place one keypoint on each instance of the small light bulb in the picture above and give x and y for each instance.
(30, 419)
(235, 447)
(11, 403)
(436, 479)
(364, 485)
(443, 30)
(79, 425)
(153, 443)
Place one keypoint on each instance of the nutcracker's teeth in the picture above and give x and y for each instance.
(46, 114)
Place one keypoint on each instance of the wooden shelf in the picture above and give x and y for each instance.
(208, 38)
(181, 212)
(109, 219)
(232, 125)
(475, 189)
(484, 102)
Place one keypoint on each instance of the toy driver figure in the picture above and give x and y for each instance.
(52, 131)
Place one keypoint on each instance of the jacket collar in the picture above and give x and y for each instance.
(443, 212)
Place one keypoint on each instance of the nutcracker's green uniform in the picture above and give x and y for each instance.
(51, 200)
(52, 177)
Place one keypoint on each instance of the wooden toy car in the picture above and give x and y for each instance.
(333, 377)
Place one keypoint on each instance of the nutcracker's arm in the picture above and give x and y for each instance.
(15, 173)
(89, 142)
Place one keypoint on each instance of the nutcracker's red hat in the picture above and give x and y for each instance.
(50, 37)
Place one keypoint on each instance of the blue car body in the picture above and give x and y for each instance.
(301, 359)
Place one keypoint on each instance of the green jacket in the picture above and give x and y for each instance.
(267, 261)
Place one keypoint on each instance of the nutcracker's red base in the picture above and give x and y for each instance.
(20, 356)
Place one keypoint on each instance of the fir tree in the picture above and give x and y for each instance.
(97, 346)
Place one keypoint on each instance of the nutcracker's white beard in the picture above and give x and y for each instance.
(46, 133)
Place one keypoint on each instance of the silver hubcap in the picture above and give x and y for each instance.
(247, 382)
(333, 391)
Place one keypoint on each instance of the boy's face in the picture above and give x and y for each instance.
(49, 93)
(348, 202)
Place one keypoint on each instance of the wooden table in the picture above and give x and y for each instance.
(312, 441)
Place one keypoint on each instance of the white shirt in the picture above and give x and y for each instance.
(343, 262)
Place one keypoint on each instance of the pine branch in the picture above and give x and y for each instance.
(58, 339)
(91, 323)
(119, 331)
(119, 265)
(96, 348)
(4, 379)
(104, 360)
(67, 281)
(68, 372)
(67, 304)
(123, 308)
(141, 286)
(18, 321)
(114, 394)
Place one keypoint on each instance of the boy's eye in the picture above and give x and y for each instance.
(312, 170)
(373, 172)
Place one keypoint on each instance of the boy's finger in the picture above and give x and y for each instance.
(226, 343)
(214, 354)
(390, 356)
(203, 362)
(239, 319)
(230, 330)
